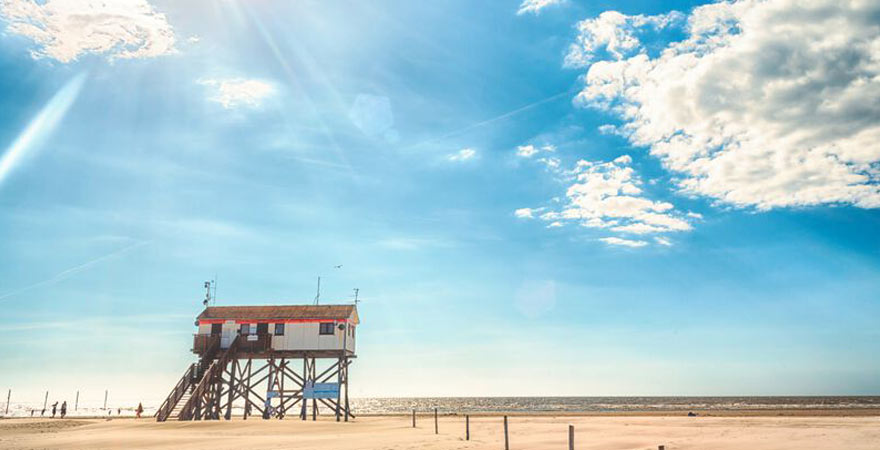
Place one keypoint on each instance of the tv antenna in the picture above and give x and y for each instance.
(318, 294)
(356, 290)
(209, 285)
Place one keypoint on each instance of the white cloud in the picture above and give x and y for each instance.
(527, 151)
(236, 92)
(615, 34)
(464, 154)
(741, 109)
(607, 195)
(535, 6)
(65, 29)
(663, 241)
(525, 213)
(623, 242)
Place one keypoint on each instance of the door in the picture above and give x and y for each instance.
(228, 335)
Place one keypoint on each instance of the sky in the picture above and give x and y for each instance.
(547, 197)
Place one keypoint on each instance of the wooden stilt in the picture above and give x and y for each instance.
(339, 386)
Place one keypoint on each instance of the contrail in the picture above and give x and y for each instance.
(494, 119)
(74, 270)
(41, 125)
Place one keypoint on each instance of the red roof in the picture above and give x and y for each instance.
(328, 312)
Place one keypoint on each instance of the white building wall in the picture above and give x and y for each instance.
(297, 336)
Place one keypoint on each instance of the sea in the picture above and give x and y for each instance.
(604, 404)
(494, 405)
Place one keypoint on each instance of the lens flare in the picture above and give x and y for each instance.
(41, 126)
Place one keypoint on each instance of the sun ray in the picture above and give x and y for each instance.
(42, 125)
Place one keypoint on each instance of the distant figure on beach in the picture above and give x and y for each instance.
(54, 408)
(118, 411)
(64, 409)
(32, 413)
(247, 410)
(692, 414)
(139, 410)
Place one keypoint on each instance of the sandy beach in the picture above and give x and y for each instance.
(396, 432)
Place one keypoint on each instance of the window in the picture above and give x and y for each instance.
(216, 328)
(279, 329)
(262, 328)
(326, 328)
(245, 329)
(352, 331)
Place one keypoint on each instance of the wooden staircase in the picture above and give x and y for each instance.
(183, 401)
(180, 396)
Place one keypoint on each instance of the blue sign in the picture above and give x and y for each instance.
(321, 390)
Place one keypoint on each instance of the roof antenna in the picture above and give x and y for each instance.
(208, 285)
(318, 295)
(356, 290)
(214, 282)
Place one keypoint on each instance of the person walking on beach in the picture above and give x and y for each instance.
(139, 410)
(64, 409)
(54, 408)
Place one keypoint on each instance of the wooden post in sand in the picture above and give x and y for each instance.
(105, 399)
(414, 418)
(506, 441)
(8, 396)
(436, 430)
(45, 402)
(571, 437)
(661, 447)
(467, 427)
(76, 404)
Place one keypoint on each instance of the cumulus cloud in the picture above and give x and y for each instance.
(615, 34)
(238, 92)
(65, 29)
(465, 154)
(623, 242)
(762, 104)
(608, 196)
(525, 213)
(535, 6)
(527, 151)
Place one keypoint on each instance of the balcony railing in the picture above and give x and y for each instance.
(251, 343)
(202, 343)
(255, 343)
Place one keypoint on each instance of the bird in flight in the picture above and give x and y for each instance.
(338, 267)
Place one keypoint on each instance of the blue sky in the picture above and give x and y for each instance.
(543, 198)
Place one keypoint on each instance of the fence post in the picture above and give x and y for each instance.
(467, 427)
(571, 437)
(436, 430)
(414, 418)
(506, 442)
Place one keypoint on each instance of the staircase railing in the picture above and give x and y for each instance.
(212, 371)
(176, 394)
